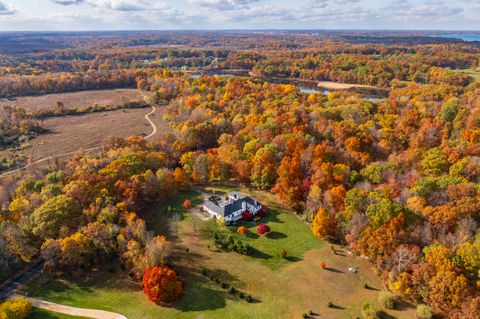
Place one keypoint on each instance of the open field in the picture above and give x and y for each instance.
(74, 100)
(70, 133)
(281, 288)
(475, 73)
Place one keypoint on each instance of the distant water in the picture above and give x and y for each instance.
(464, 36)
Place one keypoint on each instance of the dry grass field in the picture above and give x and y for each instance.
(70, 133)
(73, 100)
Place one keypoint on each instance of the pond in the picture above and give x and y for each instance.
(307, 89)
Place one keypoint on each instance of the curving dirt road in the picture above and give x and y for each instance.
(73, 311)
(147, 117)
(154, 127)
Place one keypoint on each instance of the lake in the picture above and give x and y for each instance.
(464, 36)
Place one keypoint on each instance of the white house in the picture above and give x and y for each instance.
(232, 207)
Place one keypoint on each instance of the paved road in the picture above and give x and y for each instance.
(73, 311)
(147, 117)
(10, 288)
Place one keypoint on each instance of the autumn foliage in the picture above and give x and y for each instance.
(161, 284)
(263, 229)
(242, 230)
(187, 204)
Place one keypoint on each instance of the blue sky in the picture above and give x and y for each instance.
(238, 14)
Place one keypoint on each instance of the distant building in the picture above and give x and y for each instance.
(232, 207)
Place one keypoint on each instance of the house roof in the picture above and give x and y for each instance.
(234, 204)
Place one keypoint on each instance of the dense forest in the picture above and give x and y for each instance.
(396, 180)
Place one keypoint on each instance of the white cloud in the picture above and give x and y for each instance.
(118, 5)
(6, 9)
(223, 4)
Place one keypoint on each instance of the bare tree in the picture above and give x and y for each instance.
(157, 251)
(403, 258)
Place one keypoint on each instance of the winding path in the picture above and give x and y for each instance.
(45, 159)
(72, 311)
(154, 127)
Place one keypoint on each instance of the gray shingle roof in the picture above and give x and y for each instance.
(233, 206)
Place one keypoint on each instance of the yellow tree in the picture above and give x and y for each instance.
(322, 225)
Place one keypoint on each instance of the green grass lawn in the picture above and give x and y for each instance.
(43, 314)
(281, 288)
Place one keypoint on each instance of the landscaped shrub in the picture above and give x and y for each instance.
(247, 215)
(161, 284)
(263, 229)
(283, 253)
(17, 308)
(423, 312)
(387, 300)
(262, 212)
(227, 242)
(242, 230)
(215, 198)
(369, 311)
(187, 204)
(323, 264)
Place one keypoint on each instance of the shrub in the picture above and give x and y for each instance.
(423, 312)
(247, 215)
(262, 212)
(304, 316)
(241, 295)
(242, 230)
(17, 308)
(204, 271)
(161, 284)
(249, 298)
(387, 300)
(330, 304)
(224, 285)
(231, 290)
(187, 204)
(369, 311)
(263, 229)
(365, 285)
(283, 253)
(323, 264)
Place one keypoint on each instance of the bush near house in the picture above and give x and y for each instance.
(263, 229)
(242, 230)
(247, 215)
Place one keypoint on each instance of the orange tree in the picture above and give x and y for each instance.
(161, 284)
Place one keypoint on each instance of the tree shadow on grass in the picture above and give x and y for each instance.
(372, 288)
(252, 235)
(199, 296)
(385, 315)
(255, 253)
(334, 270)
(334, 306)
(276, 235)
(293, 258)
